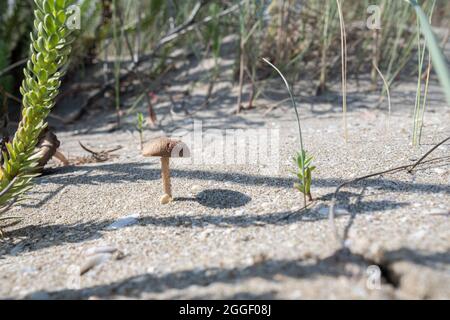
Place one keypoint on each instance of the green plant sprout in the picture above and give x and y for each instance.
(303, 159)
(437, 56)
(304, 174)
(420, 102)
(49, 52)
(140, 128)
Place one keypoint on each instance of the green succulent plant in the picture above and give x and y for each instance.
(49, 52)
(304, 173)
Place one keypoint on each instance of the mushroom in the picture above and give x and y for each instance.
(166, 148)
(47, 148)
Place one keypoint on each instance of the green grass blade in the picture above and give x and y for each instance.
(439, 61)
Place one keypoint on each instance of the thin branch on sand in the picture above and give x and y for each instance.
(409, 168)
(100, 156)
(427, 154)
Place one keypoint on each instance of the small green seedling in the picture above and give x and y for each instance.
(304, 174)
(140, 127)
(303, 160)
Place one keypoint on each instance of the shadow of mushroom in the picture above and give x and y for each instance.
(222, 199)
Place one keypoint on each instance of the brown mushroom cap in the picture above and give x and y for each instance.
(165, 147)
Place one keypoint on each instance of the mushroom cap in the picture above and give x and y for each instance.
(166, 147)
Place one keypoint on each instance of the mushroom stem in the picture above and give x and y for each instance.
(61, 157)
(165, 174)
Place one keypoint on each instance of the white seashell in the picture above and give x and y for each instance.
(99, 250)
(124, 222)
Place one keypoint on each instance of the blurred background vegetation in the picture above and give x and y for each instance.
(137, 39)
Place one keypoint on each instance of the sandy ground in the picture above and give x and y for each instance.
(235, 231)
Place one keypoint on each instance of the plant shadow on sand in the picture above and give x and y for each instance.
(32, 235)
(136, 172)
(149, 283)
(342, 263)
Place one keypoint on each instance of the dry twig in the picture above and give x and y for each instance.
(409, 168)
(100, 156)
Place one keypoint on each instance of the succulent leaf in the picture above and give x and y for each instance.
(49, 52)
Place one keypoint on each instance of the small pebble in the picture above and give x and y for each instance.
(100, 258)
(196, 189)
(93, 262)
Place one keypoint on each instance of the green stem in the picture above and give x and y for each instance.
(439, 61)
(297, 116)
